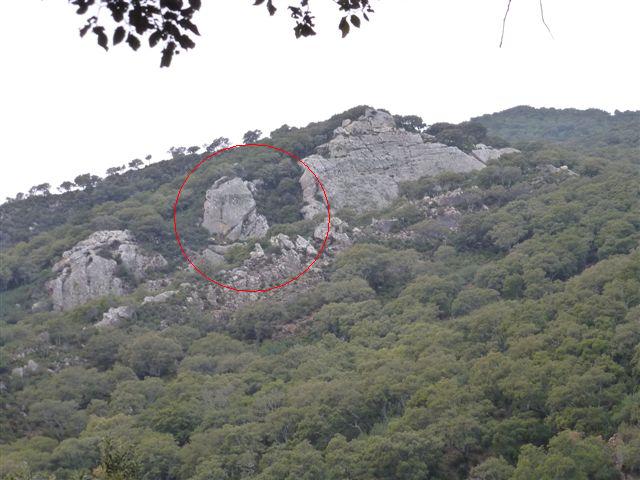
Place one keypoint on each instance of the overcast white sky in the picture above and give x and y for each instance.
(67, 107)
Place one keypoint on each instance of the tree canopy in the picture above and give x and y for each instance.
(170, 24)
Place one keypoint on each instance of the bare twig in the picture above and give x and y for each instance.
(504, 22)
(543, 21)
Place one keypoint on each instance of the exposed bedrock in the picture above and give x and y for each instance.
(362, 165)
(94, 268)
(230, 211)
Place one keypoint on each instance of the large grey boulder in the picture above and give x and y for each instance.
(362, 165)
(89, 270)
(230, 211)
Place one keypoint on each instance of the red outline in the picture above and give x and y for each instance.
(293, 279)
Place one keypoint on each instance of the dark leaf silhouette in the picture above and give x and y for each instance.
(85, 29)
(167, 54)
(344, 27)
(154, 38)
(133, 41)
(102, 37)
(118, 35)
(174, 5)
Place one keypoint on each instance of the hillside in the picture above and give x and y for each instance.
(583, 129)
(474, 315)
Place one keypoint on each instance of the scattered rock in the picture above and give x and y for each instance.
(283, 241)
(302, 244)
(384, 225)
(40, 306)
(257, 252)
(337, 233)
(44, 337)
(160, 298)
(564, 169)
(485, 153)
(362, 165)
(114, 316)
(156, 285)
(31, 367)
(89, 269)
(262, 270)
(230, 211)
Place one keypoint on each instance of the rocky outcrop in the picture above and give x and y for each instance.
(362, 165)
(31, 367)
(486, 154)
(160, 298)
(337, 233)
(263, 271)
(230, 211)
(284, 259)
(114, 316)
(90, 269)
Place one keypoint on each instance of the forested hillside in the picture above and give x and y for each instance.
(483, 325)
(585, 130)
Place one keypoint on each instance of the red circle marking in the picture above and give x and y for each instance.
(230, 287)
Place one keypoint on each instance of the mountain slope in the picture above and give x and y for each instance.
(479, 324)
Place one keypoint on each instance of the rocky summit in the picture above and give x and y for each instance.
(230, 211)
(91, 268)
(361, 166)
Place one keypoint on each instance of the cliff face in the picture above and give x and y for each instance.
(89, 270)
(230, 211)
(362, 165)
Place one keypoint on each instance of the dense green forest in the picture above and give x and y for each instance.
(507, 348)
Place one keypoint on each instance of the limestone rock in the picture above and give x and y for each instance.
(31, 367)
(362, 165)
(160, 298)
(283, 241)
(40, 306)
(220, 249)
(114, 316)
(213, 258)
(88, 270)
(261, 270)
(303, 245)
(337, 233)
(230, 211)
(257, 252)
(563, 170)
(384, 225)
(485, 153)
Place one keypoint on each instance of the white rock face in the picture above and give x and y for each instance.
(88, 270)
(230, 211)
(362, 165)
(485, 153)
